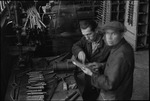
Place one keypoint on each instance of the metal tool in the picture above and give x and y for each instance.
(56, 57)
(36, 93)
(35, 75)
(39, 84)
(35, 87)
(48, 77)
(47, 72)
(36, 90)
(36, 78)
(33, 72)
(65, 85)
(70, 95)
(35, 98)
(53, 87)
(75, 97)
(73, 86)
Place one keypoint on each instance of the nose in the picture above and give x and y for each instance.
(110, 36)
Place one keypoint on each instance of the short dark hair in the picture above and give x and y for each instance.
(88, 23)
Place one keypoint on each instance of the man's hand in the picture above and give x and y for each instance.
(94, 66)
(81, 56)
(87, 71)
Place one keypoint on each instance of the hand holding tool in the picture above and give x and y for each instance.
(77, 63)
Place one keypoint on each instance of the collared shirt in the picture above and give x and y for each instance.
(97, 43)
(94, 46)
(98, 53)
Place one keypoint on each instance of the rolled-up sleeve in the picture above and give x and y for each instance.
(114, 73)
(78, 46)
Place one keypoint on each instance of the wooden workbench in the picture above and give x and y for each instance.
(59, 93)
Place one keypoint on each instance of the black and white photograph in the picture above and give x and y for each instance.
(74, 50)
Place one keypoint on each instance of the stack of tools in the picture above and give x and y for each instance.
(41, 85)
(36, 86)
(33, 19)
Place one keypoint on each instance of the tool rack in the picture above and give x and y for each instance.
(136, 21)
(118, 10)
(110, 10)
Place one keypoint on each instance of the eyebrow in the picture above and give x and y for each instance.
(111, 32)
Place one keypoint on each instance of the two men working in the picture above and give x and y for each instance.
(109, 59)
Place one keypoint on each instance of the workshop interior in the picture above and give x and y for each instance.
(37, 37)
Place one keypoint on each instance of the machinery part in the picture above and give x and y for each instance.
(70, 95)
(35, 98)
(65, 85)
(63, 66)
(36, 90)
(72, 86)
(48, 72)
(60, 58)
(36, 87)
(57, 57)
(36, 93)
(52, 90)
(39, 84)
(75, 97)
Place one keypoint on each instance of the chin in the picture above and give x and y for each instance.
(110, 44)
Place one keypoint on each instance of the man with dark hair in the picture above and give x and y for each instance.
(90, 48)
(116, 83)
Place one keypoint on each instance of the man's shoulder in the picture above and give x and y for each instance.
(126, 51)
(126, 47)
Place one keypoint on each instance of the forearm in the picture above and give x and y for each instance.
(77, 47)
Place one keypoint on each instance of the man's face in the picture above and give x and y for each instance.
(88, 34)
(112, 37)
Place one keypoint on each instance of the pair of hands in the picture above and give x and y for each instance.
(90, 67)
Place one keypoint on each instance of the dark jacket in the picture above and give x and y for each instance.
(117, 81)
(100, 55)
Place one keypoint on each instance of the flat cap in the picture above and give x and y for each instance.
(115, 25)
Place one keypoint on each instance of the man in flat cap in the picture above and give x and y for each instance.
(116, 82)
